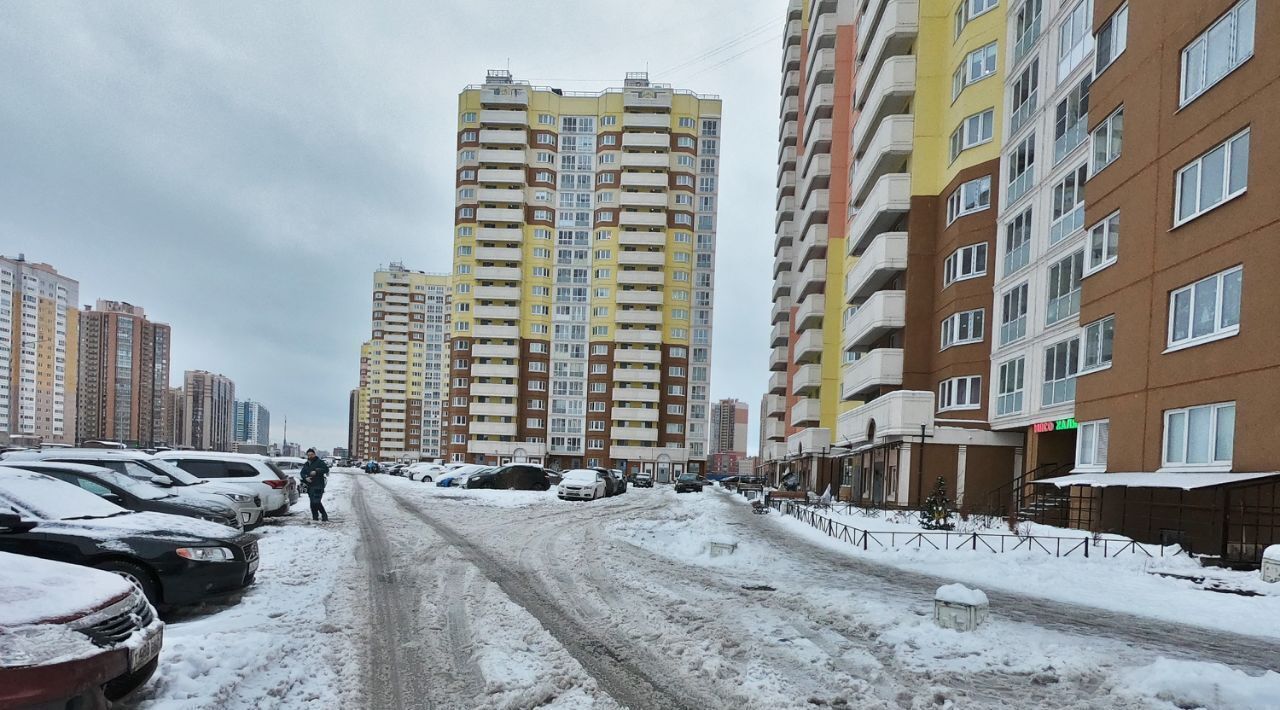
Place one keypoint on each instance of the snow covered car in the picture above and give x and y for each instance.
(132, 494)
(174, 560)
(425, 472)
(458, 476)
(254, 474)
(290, 466)
(582, 484)
(71, 637)
(688, 482)
(142, 466)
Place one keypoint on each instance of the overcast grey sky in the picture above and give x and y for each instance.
(239, 169)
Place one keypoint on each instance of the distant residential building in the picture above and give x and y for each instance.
(244, 447)
(747, 466)
(253, 423)
(123, 375)
(729, 419)
(209, 411)
(39, 329)
(353, 421)
(340, 452)
(291, 449)
(175, 412)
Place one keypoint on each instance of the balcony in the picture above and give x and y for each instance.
(782, 261)
(496, 312)
(822, 70)
(645, 160)
(817, 173)
(778, 360)
(791, 58)
(496, 137)
(506, 372)
(811, 311)
(778, 383)
(791, 83)
(815, 209)
(891, 93)
(807, 380)
(775, 405)
(787, 133)
(494, 350)
(498, 254)
(785, 234)
(782, 285)
(490, 194)
(493, 389)
(491, 428)
(879, 263)
(497, 293)
(504, 117)
(785, 212)
(817, 141)
(510, 235)
(635, 394)
(781, 310)
(645, 179)
(813, 245)
(790, 107)
(638, 317)
(897, 414)
(633, 433)
(642, 258)
(822, 104)
(636, 297)
(634, 414)
(642, 239)
(502, 332)
(497, 156)
(504, 96)
(653, 357)
(778, 336)
(501, 175)
(786, 186)
(637, 335)
(648, 99)
(806, 413)
(887, 152)
(640, 278)
(498, 273)
(877, 368)
(808, 346)
(889, 33)
(660, 141)
(499, 214)
(792, 34)
(646, 120)
(812, 278)
(886, 204)
(882, 313)
(786, 161)
(492, 409)
(629, 218)
(637, 374)
(775, 430)
(643, 199)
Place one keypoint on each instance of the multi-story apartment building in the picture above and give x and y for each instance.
(253, 423)
(729, 421)
(39, 330)
(584, 266)
(123, 375)
(175, 417)
(208, 410)
(403, 366)
(353, 423)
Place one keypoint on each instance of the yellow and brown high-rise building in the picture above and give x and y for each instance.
(124, 375)
(38, 358)
(584, 252)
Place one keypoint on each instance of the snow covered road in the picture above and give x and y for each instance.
(441, 598)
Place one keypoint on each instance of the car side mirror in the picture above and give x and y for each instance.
(13, 523)
(161, 481)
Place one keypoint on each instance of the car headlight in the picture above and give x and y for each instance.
(239, 497)
(206, 554)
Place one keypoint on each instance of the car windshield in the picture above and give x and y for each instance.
(145, 491)
(581, 475)
(134, 474)
(688, 478)
(45, 498)
(170, 469)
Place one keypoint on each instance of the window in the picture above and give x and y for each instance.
(960, 393)
(1013, 314)
(1060, 364)
(970, 197)
(609, 140)
(1074, 40)
(1026, 28)
(1022, 167)
(1071, 120)
(1217, 52)
(970, 9)
(1206, 310)
(972, 131)
(1203, 435)
(468, 136)
(608, 120)
(1064, 288)
(606, 178)
(599, 330)
(467, 213)
(1068, 205)
(1017, 242)
(1091, 445)
(1009, 395)
(962, 328)
(468, 175)
(464, 250)
(686, 122)
(602, 254)
(546, 119)
(468, 155)
(965, 263)
(1111, 40)
(533, 423)
(685, 180)
(1024, 94)
(1213, 178)
(1106, 140)
(537, 366)
(469, 117)
(546, 139)
(537, 385)
(545, 157)
(710, 127)
(978, 65)
(1098, 338)
(1104, 244)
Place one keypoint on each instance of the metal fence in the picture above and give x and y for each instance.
(975, 541)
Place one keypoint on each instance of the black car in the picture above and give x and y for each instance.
(688, 482)
(517, 476)
(174, 560)
(612, 483)
(642, 479)
(132, 494)
(622, 479)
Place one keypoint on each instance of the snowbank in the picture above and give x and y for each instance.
(960, 594)
(1192, 684)
(1272, 553)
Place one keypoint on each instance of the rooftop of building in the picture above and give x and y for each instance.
(632, 80)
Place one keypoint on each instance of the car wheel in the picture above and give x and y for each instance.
(137, 575)
(426, 479)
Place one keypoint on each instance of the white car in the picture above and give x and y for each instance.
(581, 484)
(250, 472)
(142, 466)
(425, 472)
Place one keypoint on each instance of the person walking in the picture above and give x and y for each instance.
(314, 474)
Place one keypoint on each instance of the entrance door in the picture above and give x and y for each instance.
(877, 482)
(664, 472)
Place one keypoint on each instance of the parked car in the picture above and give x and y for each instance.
(516, 476)
(74, 637)
(174, 560)
(621, 478)
(688, 483)
(553, 476)
(459, 475)
(132, 494)
(425, 472)
(612, 484)
(143, 467)
(583, 484)
(642, 480)
(252, 473)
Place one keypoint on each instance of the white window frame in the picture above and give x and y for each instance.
(1022, 168)
(973, 131)
(1092, 441)
(1055, 311)
(1013, 313)
(1217, 460)
(1098, 340)
(1049, 381)
(953, 268)
(963, 328)
(957, 203)
(976, 66)
(1066, 218)
(1114, 36)
(1107, 139)
(1024, 96)
(1074, 38)
(1238, 50)
(957, 393)
(1104, 244)
(1221, 329)
(1017, 255)
(1012, 379)
(1230, 148)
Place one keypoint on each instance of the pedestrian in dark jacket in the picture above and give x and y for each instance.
(314, 474)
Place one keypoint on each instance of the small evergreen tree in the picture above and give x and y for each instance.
(935, 514)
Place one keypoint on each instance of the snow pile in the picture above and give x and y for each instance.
(960, 594)
(1193, 684)
(1272, 554)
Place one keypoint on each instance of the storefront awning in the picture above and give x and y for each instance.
(1185, 481)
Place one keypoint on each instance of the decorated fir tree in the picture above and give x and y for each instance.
(935, 514)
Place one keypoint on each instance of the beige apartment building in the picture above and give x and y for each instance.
(208, 412)
(123, 375)
(39, 331)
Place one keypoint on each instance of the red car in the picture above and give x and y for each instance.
(71, 636)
